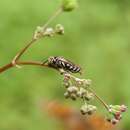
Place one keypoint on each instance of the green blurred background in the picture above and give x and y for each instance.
(96, 37)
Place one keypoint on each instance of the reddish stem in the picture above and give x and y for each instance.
(10, 65)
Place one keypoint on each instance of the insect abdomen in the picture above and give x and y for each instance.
(72, 68)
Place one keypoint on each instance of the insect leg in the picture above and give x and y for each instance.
(44, 62)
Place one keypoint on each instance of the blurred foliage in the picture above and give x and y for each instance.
(96, 37)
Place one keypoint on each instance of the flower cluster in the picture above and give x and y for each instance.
(88, 109)
(78, 88)
(50, 32)
(116, 112)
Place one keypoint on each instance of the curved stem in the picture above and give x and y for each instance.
(6, 67)
(33, 40)
(57, 12)
(20, 53)
(100, 99)
(10, 65)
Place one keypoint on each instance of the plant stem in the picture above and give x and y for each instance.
(10, 65)
(33, 40)
(100, 99)
(20, 53)
(58, 12)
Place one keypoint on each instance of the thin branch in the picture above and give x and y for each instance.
(100, 99)
(20, 53)
(33, 40)
(10, 65)
(57, 12)
(6, 67)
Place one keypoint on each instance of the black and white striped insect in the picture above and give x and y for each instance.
(58, 62)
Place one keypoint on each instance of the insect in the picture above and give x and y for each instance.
(58, 62)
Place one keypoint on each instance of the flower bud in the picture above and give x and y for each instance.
(66, 79)
(118, 116)
(87, 82)
(116, 111)
(66, 84)
(72, 89)
(66, 94)
(49, 32)
(38, 32)
(83, 109)
(69, 5)
(114, 121)
(91, 109)
(73, 96)
(89, 96)
(81, 93)
(117, 108)
(88, 109)
(123, 108)
(59, 29)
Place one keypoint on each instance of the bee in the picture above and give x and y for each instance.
(59, 62)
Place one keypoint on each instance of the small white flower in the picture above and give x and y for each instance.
(49, 32)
